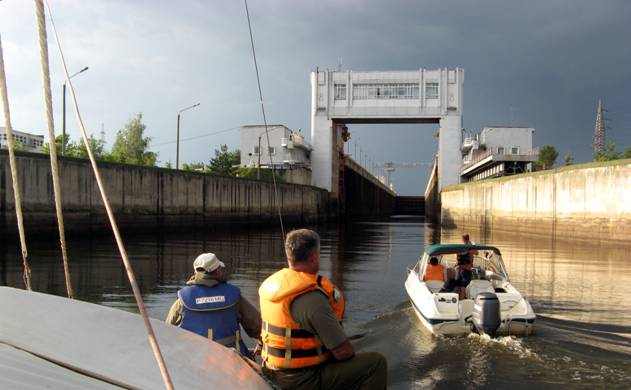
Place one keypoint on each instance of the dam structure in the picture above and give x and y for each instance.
(341, 97)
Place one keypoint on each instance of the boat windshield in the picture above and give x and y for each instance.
(487, 263)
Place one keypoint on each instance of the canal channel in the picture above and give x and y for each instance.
(580, 292)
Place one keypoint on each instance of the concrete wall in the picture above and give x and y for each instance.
(144, 198)
(362, 197)
(432, 195)
(586, 201)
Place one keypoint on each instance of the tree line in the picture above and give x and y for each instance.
(130, 146)
(548, 156)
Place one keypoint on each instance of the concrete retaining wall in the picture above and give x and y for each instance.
(586, 201)
(144, 198)
(362, 197)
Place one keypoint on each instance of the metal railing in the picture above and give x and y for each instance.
(482, 156)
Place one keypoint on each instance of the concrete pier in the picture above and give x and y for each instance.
(144, 198)
(578, 202)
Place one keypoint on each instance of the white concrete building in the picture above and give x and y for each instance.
(29, 142)
(289, 151)
(497, 151)
(417, 96)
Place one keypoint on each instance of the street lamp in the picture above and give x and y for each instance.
(177, 150)
(63, 116)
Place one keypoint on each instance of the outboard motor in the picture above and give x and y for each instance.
(486, 313)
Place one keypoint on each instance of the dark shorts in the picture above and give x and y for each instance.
(367, 370)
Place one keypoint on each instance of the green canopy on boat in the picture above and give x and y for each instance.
(441, 249)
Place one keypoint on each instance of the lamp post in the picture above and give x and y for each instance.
(177, 150)
(63, 116)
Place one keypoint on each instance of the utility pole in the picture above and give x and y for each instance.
(599, 129)
(258, 165)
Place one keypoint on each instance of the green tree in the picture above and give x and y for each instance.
(78, 149)
(131, 146)
(608, 153)
(59, 140)
(97, 145)
(168, 165)
(627, 153)
(568, 158)
(547, 156)
(225, 162)
(18, 146)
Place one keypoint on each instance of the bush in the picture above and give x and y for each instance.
(266, 174)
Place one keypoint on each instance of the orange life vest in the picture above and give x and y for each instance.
(434, 272)
(285, 344)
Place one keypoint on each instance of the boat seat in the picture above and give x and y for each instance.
(476, 287)
(434, 286)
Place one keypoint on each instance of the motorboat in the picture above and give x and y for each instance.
(488, 304)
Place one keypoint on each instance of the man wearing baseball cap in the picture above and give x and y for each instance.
(214, 308)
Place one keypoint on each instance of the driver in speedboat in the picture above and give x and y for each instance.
(463, 274)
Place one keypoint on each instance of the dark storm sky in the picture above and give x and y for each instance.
(536, 63)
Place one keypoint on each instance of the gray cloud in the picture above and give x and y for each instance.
(539, 63)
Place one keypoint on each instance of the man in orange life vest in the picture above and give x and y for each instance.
(304, 344)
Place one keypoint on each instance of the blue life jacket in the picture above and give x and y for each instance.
(215, 308)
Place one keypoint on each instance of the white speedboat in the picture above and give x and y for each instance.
(491, 305)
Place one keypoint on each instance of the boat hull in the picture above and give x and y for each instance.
(52, 335)
(457, 322)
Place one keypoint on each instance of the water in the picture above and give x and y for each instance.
(580, 293)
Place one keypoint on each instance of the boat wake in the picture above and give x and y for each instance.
(559, 353)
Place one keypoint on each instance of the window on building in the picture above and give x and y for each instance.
(340, 91)
(431, 90)
(385, 91)
(514, 150)
(256, 149)
(500, 150)
(271, 150)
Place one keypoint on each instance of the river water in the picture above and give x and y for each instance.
(580, 293)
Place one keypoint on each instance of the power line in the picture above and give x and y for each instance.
(207, 135)
(197, 136)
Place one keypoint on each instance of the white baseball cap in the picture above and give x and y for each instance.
(208, 262)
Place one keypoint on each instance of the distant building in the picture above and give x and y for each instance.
(497, 151)
(29, 142)
(290, 153)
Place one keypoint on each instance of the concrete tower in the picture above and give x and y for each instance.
(418, 96)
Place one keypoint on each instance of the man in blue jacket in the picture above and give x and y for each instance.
(214, 308)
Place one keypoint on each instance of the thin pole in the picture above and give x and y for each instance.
(258, 165)
(63, 123)
(14, 172)
(54, 165)
(177, 148)
(153, 342)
